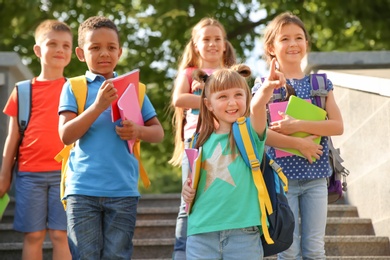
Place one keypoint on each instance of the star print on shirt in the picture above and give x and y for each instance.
(217, 167)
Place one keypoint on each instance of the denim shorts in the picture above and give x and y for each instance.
(37, 202)
(101, 227)
(233, 244)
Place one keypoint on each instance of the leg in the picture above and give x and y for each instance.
(84, 216)
(57, 218)
(242, 243)
(32, 245)
(181, 222)
(60, 244)
(118, 227)
(31, 212)
(294, 252)
(205, 246)
(314, 205)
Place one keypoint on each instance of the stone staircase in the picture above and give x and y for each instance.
(347, 236)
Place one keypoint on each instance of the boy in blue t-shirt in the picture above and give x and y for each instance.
(102, 176)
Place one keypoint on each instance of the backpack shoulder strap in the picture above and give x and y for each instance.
(79, 88)
(24, 94)
(141, 93)
(244, 142)
(318, 88)
(137, 145)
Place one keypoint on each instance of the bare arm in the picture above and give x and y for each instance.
(259, 101)
(72, 127)
(306, 145)
(330, 127)
(9, 153)
(181, 94)
(151, 132)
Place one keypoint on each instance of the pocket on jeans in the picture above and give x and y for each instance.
(250, 230)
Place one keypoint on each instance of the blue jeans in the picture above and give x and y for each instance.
(181, 222)
(309, 200)
(101, 227)
(230, 244)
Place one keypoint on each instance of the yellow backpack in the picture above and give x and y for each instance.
(79, 88)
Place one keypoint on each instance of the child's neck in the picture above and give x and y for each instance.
(50, 74)
(222, 129)
(292, 72)
(211, 66)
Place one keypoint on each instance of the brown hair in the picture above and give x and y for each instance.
(48, 26)
(93, 23)
(221, 79)
(274, 27)
(190, 58)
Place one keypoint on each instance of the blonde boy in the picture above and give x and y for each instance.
(37, 193)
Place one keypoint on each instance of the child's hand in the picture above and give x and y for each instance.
(187, 192)
(275, 78)
(5, 183)
(285, 126)
(106, 95)
(196, 85)
(129, 130)
(309, 148)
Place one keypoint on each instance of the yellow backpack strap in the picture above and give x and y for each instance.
(262, 191)
(137, 145)
(79, 88)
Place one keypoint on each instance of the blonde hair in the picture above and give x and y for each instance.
(48, 26)
(191, 58)
(220, 80)
(273, 29)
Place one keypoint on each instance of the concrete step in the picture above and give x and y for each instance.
(165, 228)
(348, 236)
(351, 248)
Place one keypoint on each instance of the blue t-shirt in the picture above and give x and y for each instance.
(226, 196)
(100, 164)
(296, 167)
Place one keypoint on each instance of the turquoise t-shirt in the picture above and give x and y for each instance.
(226, 197)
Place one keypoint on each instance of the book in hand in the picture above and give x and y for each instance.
(3, 204)
(121, 83)
(194, 158)
(274, 109)
(299, 108)
(129, 108)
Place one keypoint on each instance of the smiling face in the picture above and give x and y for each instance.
(210, 46)
(227, 106)
(290, 45)
(101, 51)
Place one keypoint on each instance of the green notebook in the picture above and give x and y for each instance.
(3, 204)
(301, 109)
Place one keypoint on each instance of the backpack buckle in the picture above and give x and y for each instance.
(319, 92)
(255, 164)
(241, 120)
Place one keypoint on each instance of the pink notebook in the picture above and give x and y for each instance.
(129, 109)
(274, 109)
(194, 158)
(121, 83)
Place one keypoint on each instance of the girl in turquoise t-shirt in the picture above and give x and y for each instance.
(225, 217)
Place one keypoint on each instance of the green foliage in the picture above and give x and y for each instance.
(154, 33)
